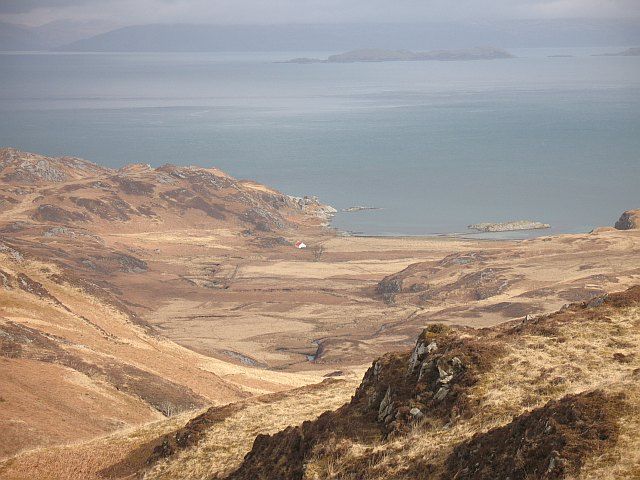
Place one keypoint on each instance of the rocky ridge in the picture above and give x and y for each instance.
(435, 388)
(71, 190)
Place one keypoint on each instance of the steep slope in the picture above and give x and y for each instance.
(225, 432)
(557, 396)
(104, 369)
(64, 317)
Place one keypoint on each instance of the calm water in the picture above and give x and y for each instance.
(436, 145)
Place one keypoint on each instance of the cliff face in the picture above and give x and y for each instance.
(524, 400)
(629, 220)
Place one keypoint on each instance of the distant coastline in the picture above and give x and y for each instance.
(629, 52)
(382, 55)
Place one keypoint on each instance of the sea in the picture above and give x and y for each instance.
(552, 135)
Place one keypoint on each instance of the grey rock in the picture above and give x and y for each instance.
(386, 407)
(441, 394)
(416, 413)
(596, 302)
(420, 351)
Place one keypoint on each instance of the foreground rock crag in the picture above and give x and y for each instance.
(439, 410)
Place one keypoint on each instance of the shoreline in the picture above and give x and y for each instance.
(498, 235)
(471, 236)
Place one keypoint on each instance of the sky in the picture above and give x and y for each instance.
(129, 12)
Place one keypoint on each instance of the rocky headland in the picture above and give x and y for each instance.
(629, 220)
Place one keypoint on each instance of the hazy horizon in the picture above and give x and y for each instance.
(39, 12)
(101, 35)
(52, 24)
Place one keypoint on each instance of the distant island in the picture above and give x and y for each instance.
(629, 52)
(382, 55)
(509, 226)
(359, 208)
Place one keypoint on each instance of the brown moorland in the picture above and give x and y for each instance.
(553, 397)
(142, 293)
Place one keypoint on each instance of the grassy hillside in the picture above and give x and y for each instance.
(557, 396)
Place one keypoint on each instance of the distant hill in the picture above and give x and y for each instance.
(48, 36)
(19, 38)
(324, 37)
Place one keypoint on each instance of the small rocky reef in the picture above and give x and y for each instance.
(509, 226)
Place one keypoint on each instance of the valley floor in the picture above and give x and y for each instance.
(295, 310)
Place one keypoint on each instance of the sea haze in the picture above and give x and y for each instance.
(435, 145)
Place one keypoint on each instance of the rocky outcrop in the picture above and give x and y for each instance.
(509, 226)
(431, 382)
(389, 287)
(629, 220)
(55, 214)
(311, 205)
(30, 168)
(413, 283)
(550, 442)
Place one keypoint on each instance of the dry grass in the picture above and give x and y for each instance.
(222, 448)
(226, 443)
(580, 357)
(597, 350)
(76, 461)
